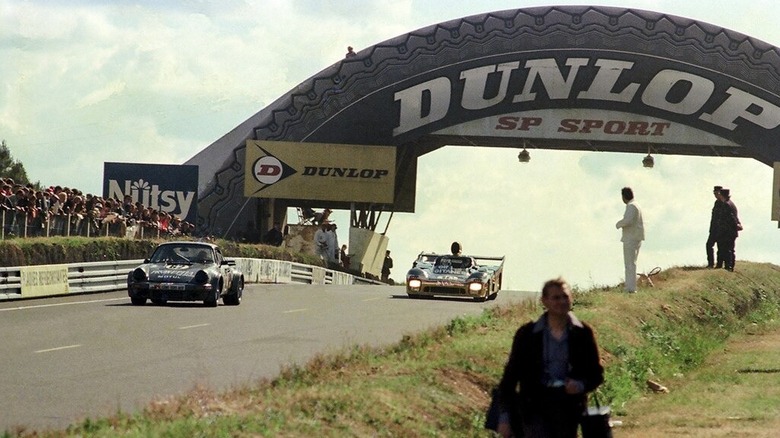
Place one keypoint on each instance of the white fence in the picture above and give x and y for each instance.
(92, 277)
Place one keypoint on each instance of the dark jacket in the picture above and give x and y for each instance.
(273, 237)
(719, 209)
(728, 220)
(521, 385)
(387, 265)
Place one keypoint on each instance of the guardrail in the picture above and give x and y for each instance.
(94, 277)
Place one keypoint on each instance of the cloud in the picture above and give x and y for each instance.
(101, 95)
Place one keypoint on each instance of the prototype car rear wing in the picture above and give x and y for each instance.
(490, 262)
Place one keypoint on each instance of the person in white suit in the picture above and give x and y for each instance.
(633, 233)
(321, 241)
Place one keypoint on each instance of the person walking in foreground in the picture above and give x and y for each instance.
(554, 362)
(712, 237)
(632, 236)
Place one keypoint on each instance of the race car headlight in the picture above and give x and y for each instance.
(415, 283)
(139, 274)
(201, 277)
(475, 287)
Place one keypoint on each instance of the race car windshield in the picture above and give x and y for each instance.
(454, 262)
(182, 254)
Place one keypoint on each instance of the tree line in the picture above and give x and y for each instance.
(13, 168)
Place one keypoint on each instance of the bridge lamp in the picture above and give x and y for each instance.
(524, 156)
(648, 161)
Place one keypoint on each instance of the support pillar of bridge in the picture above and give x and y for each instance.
(367, 246)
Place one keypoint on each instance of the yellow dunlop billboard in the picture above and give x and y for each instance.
(319, 171)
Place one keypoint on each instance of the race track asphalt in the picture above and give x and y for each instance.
(72, 357)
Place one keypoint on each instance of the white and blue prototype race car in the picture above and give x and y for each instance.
(476, 277)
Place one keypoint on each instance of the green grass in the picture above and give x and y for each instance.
(437, 383)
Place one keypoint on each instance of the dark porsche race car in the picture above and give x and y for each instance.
(455, 275)
(186, 271)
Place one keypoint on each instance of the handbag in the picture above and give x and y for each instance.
(595, 421)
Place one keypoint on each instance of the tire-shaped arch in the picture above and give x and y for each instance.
(354, 100)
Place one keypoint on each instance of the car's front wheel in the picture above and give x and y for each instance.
(212, 300)
(138, 301)
(236, 292)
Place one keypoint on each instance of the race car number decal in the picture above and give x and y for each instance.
(448, 283)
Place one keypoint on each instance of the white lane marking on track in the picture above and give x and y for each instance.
(187, 327)
(58, 348)
(373, 299)
(295, 310)
(41, 306)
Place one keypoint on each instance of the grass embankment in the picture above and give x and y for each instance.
(437, 383)
(58, 250)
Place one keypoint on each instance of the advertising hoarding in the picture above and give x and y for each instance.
(171, 188)
(320, 171)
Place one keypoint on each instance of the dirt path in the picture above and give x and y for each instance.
(736, 393)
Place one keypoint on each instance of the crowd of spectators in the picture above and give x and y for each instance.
(56, 210)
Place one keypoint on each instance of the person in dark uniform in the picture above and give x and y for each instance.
(730, 228)
(344, 257)
(712, 238)
(274, 236)
(387, 265)
(555, 363)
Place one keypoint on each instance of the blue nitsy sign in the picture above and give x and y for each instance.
(164, 187)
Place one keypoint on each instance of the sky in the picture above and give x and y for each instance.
(84, 82)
